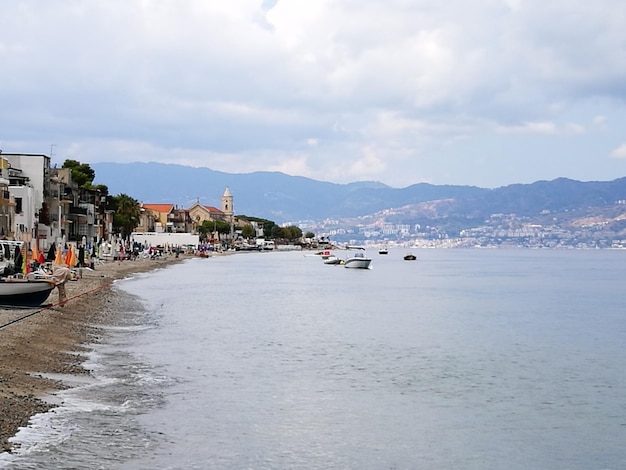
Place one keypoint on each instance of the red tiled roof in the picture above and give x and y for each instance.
(212, 209)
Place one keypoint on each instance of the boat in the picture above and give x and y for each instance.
(383, 251)
(24, 291)
(410, 257)
(332, 259)
(17, 289)
(357, 260)
(324, 254)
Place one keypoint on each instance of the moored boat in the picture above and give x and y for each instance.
(410, 257)
(332, 259)
(357, 260)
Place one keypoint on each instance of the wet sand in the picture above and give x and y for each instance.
(51, 340)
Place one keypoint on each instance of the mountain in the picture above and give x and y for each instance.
(283, 198)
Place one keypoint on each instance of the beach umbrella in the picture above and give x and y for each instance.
(81, 255)
(73, 260)
(58, 259)
(68, 256)
(51, 252)
(35, 256)
(25, 263)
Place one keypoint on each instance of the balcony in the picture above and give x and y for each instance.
(78, 211)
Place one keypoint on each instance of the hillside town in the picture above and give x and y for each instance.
(593, 229)
(41, 205)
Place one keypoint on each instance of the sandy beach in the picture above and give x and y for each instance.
(51, 339)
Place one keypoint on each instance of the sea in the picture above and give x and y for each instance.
(462, 359)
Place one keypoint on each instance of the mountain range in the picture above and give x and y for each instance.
(283, 198)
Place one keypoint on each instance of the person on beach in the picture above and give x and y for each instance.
(61, 275)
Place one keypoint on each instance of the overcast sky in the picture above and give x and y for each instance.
(480, 92)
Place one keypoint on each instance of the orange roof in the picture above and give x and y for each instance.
(162, 208)
(212, 209)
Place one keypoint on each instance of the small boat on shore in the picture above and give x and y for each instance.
(18, 289)
(24, 291)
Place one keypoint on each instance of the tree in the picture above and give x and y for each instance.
(247, 231)
(82, 174)
(126, 214)
(207, 227)
(309, 235)
(292, 233)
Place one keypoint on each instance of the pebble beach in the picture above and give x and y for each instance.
(38, 344)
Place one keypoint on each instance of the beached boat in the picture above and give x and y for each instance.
(24, 291)
(17, 289)
(357, 260)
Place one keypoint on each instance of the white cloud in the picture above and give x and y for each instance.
(619, 152)
(380, 90)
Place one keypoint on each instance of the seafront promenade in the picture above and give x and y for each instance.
(36, 344)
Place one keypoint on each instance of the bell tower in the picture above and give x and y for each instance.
(227, 204)
(227, 209)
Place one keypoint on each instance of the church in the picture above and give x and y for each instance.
(170, 218)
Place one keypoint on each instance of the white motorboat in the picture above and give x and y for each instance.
(332, 259)
(357, 260)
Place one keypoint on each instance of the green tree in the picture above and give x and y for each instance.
(207, 227)
(247, 231)
(309, 235)
(269, 227)
(82, 174)
(291, 233)
(126, 214)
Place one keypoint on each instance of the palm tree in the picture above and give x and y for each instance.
(127, 214)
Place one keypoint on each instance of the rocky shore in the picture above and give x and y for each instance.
(51, 339)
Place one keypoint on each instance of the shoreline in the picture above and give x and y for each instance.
(51, 341)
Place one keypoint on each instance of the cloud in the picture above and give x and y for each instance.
(376, 90)
(619, 152)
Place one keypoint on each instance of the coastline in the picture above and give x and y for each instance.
(50, 341)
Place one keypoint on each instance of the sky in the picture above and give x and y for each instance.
(484, 93)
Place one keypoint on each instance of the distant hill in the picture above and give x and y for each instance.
(281, 198)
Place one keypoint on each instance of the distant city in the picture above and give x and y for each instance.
(569, 230)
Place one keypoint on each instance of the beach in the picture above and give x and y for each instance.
(36, 351)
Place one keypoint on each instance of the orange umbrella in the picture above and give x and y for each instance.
(68, 256)
(73, 258)
(35, 256)
(58, 258)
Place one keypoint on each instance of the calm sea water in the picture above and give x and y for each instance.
(463, 359)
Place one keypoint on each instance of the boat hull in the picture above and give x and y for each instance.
(358, 263)
(25, 293)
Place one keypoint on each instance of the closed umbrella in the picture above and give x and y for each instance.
(58, 259)
(51, 252)
(73, 259)
(68, 256)
(35, 256)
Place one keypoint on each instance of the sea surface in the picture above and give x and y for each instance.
(463, 359)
